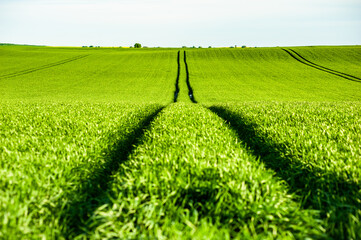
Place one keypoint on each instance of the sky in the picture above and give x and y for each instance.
(176, 23)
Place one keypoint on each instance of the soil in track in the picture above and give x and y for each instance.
(190, 90)
(182, 84)
(50, 65)
(176, 91)
(303, 60)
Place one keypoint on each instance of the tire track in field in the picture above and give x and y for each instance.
(94, 191)
(190, 90)
(303, 60)
(50, 65)
(324, 67)
(299, 177)
(176, 92)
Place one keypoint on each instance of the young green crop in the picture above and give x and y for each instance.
(103, 75)
(344, 59)
(183, 86)
(20, 58)
(190, 178)
(263, 74)
(55, 160)
(315, 147)
(69, 118)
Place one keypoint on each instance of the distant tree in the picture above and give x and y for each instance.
(209, 46)
(137, 45)
(194, 47)
(184, 46)
(244, 46)
(200, 47)
(231, 47)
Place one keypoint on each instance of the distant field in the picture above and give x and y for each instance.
(109, 143)
(98, 75)
(266, 74)
(344, 59)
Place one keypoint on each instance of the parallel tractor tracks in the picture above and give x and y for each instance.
(303, 60)
(177, 89)
(291, 52)
(50, 65)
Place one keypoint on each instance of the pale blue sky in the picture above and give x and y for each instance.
(176, 23)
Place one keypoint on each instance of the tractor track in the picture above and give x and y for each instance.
(190, 90)
(176, 92)
(303, 60)
(324, 67)
(50, 65)
(93, 191)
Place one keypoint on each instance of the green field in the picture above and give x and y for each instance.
(106, 143)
